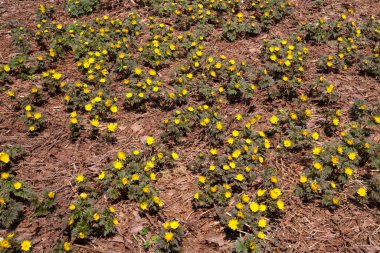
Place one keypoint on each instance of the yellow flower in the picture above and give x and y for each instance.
(254, 207)
(273, 120)
(376, 119)
(88, 107)
(275, 193)
(79, 178)
(266, 143)
(262, 208)
(260, 192)
(121, 155)
(149, 141)
(4, 244)
(315, 136)
(138, 71)
(124, 181)
(245, 198)
(236, 153)
(94, 122)
(11, 93)
(352, 156)
(111, 127)
(26, 245)
(135, 177)
(239, 206)
(118, 165)
(74, 121)
(362, 192)
(51, 195)
(175, 156)
(303, 179)
(174, 225)
(233, 224)
(307, 113)
(6, 68)
(96, 217)
(152, 72)
(219, 126)
(330, 88)
(280, 205)
(5, 175)
(314, 186)
(317, 166)
(166, 225)
(317, 150)
(239, 177)
(334, 160)
(57, 76)
(287, 143)
(214, 151)
(262, 223)
(202, 179)
(102, 175)
(168, 236)
(113, 109)
(66, 246)
(260, 235)
(348, 171)
(4, 157)
(143, 205)
(17, 185)
(293, 116)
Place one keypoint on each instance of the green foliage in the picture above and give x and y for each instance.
(61, 247)
(170, 238)
(374, 189)
(34, 121)
(370, 65)
(131, 176)
(14, 196)
(270, 12)
(322, 91)
(46, 205)
(247, 244)
(78, 8)
(334, 164)
(86, 220)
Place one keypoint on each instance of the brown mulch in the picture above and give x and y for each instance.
(52, 160)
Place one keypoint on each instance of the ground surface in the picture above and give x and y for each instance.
(52, 160)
